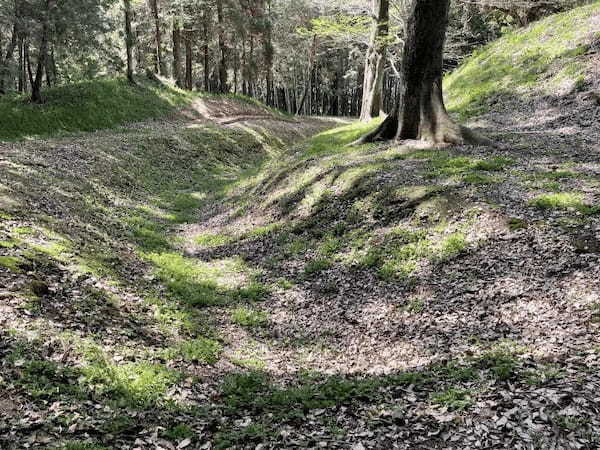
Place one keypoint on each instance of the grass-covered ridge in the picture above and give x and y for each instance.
(87, 106)
(545, 57)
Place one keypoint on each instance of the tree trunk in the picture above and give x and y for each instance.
(420, 112)
(4, 64)
(189, 81)
(223, 86)
(159, 63)
(177, 52)
(22, 78)
(268, 54)
(129, 41)
(36, 83)
(205, 22)
(372, 103)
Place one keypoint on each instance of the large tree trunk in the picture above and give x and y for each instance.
(420, 112)
(36, 84)
(223, 86)
(4, 64)
(372, 102)
(268, 53)
(177, 52)
(159, 63)
(129, 41)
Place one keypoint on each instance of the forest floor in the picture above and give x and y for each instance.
(158, 295)
(224, 282)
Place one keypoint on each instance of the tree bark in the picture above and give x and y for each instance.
(189, 81)
(36, 85)
(4, 64)
(223, 85)
(205, 23)
(159, 63)
(268, 53)
(420, 112)
(22, 78)
(372, 103)
(177, 52)
(129, 41)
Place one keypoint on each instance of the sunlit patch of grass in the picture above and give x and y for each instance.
(23, 231)
(520, 60)
(138, 385)
(336, 140)
(88, 106)
(558, 175)
(198, 283)
(12, 263)
(186, 279)
(12, 243)
(262, 231)
(209, 240)
(541, 376)
(453, 399)
(563, 201)
(174, 318)
(250, 363)
(249, 318)
(203, 350)
(467, 168)
(451, 246)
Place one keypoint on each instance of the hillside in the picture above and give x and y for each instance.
(221, 281)
(110, 103)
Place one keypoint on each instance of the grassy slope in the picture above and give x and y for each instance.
(528, 62)
(96, 105)
(172, 267)
(87, 106)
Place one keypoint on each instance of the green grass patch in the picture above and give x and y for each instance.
(135, 385)
(202, 350)
(317, 265)
(453, 399)
(179, 432)
(564, 201)
(336, 140)
(249, 318)
(11, 263)
(522, 60)
(212, 240)
(87, 106)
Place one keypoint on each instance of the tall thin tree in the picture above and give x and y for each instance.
(372, 101)
(129, 41)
